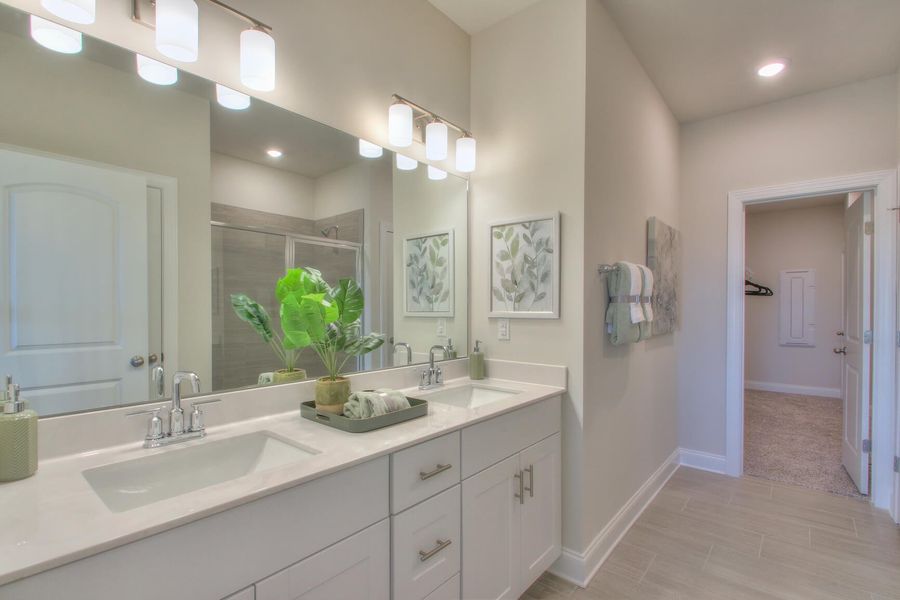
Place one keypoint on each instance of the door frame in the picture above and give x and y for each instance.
(884, 318)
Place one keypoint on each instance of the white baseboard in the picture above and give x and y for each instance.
(785, 388)
(580, 567)
(705, 461)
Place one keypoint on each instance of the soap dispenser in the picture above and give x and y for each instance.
(476, 362)
(18, 436)
(451, 350)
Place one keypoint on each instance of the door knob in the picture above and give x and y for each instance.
(152, 359)
(137, 361)
(839, 333)
(840, 350)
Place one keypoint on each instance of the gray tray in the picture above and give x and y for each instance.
(417, 408)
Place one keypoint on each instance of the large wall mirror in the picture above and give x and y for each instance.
(131, 213)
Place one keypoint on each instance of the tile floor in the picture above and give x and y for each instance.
(712, 537)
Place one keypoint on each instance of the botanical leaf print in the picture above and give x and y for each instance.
(523, 266)
(428, 273)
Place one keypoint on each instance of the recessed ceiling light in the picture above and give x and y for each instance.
(275, 153)
(773, 68)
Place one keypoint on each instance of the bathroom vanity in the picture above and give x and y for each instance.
(462, 503)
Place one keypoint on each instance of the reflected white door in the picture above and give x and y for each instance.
(857, 321)
(73, 282)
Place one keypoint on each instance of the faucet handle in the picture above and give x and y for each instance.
(425, 379)
(197, 414)
(155, 426)
(438, 375)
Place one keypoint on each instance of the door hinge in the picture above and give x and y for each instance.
(867, 446)
(869, 227)
(897, 464)
(867, 337)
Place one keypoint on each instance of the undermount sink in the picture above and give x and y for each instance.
(134, 483)
(469, 395)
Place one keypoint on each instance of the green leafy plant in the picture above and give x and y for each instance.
(250, 311)
(325, 318)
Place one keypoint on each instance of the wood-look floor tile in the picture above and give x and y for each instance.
(885, 552)
(689, 582)
(703, 530)
(612, 586)
(782, 527)
(810, 515)
(666, 542)
(558, 584)
(540, 591)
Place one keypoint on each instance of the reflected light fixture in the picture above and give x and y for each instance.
(258, 60)
(400, 125)
(405, 163)
(55, 37)
(369, 150)
(178, 29)
(773, 68)
(436, 140)
(156, 72)
(465, 154)
(83, 12)
(436, 174)
(230, 98)
(274, 153)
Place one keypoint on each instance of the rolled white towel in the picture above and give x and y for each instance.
(647, 292)
(634, 308)
(374, 403)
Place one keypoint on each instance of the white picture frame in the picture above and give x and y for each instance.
(528, 249)
(429, 274)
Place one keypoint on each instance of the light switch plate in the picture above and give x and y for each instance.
(442, 327)
(503, 329)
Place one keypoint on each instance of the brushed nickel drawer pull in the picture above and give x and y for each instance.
(439, 469)
(530, 488)
(441, 544)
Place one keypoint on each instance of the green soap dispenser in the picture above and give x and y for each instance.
(451, 351)
(476, 362)
(18, 436)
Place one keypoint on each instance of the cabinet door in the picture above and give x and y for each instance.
(357, 568)
(541, 512)
(490, 533)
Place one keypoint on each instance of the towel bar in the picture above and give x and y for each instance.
(603, 269)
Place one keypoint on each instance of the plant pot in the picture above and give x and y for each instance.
(332, 395)
(285, 376)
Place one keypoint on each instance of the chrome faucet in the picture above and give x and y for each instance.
(433, 376)
(156, 437)
(408, 351)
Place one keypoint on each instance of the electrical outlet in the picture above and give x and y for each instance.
(503, 329)
(442, 327)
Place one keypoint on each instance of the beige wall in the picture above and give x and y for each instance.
(338, 61)
(630, 411)
(802, 238)
(840, 131)
(246, 184)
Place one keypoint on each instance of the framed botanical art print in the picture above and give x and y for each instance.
(428, 274)
(664, 259)
(525, 268)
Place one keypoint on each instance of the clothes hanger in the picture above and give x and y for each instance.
(758, 290)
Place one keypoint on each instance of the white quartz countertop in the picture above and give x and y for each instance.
(55, 517)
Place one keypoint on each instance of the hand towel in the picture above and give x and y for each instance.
(374, 403)
(634, 290)
(266, 379)
(646, 294)
(620, 283)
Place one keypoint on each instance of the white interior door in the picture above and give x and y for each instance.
(857, 325)
(73, 282)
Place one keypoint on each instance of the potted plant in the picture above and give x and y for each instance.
(256, 315)
(313, 314)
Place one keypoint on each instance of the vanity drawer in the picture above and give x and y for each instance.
(448, 591)
(424, 470)
(426, 545)
(491, 441)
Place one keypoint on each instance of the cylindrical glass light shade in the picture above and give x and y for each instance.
(465, 154)
(178, 29)
(436, 141)
(436, 174)
(155, 71)
(230, 98)
(369, 150)
(55, 37)
(405, 163)
(258, 60)
(77, 11)
(400, 125)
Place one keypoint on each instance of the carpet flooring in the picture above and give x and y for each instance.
(795, 439)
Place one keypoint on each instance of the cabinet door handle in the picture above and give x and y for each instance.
(530, 488)
(521, 495)
(437, 470)
(441, 544)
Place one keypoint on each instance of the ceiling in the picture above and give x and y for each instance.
(809, 202)
(474, 15)
(703, 54)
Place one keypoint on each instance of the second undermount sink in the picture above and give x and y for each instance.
(130, 484)
(470, 395)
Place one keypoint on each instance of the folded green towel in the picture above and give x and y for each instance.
(374, 403)
(618, 314)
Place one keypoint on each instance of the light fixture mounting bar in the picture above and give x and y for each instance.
(424, 113)
(137, 14)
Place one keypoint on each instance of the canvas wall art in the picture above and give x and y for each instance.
(525, 268)
(664, 259)
(428, 282)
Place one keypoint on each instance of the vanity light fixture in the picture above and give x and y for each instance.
(773, 68)
(231, 99)
(405, 163)
(54, 36)
(83, 12)
(156, 72)
(403, 118)
(178, 29)
(274, 153)
(258, 60)
(436, 174)
(369, 150)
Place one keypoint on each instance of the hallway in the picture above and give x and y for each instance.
(709, 536)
